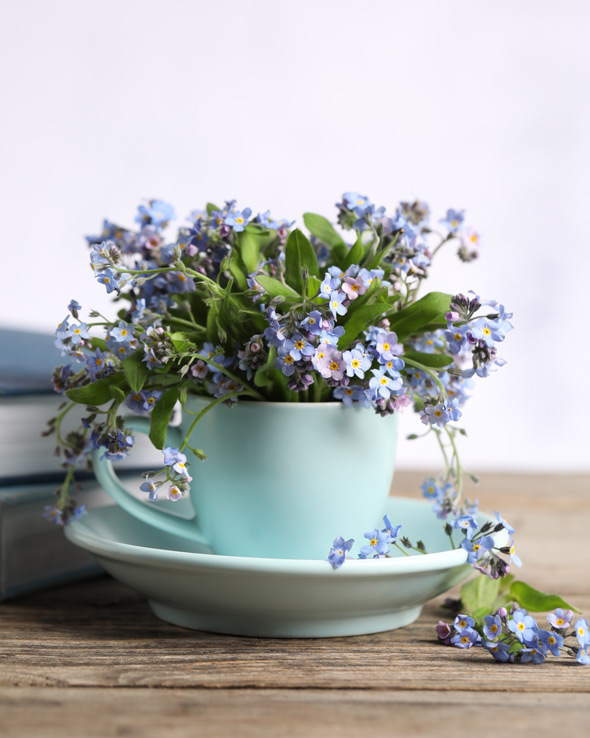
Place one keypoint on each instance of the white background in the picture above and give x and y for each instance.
(474, 105)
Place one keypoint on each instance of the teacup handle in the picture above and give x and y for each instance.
(167, 521)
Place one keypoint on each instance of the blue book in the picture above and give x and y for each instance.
(27, 360)
(34, 553)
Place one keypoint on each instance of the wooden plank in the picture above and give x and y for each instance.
(103, 634)
(94, 713)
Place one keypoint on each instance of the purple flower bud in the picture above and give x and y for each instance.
(502, 612)
(443, 631)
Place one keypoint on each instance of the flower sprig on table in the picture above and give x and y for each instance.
(498, 620)
(234, 306)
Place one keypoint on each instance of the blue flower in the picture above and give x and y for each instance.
(109, 278)
(150, 358)
(78, 332)
(581, 630)
(462, 622)
(378, 543)
(285, 362)
(151, 488)
(582, 656)
(156, 212)
(274, 335)
(500, 651)
(96, 363)
(383, 385)
(53, 514)
(312, 323)
(357, 362)
(477, 549)
(143, 401)
(506, 525)
(453, 219)
(353, 394)
(524, 626)
(340, 548)
(122, 333)
(437, 415)
(337, 303)
(466, 638)
(391, 530)
(74, 307)
(298, 347)
(456, 338)
(430, 488)
(387, 346)
(550, 641)
(487, 331)
(514, 557)
(177, 460)
(492, 627)
(332, 335)
(533, 654)
(237, 219)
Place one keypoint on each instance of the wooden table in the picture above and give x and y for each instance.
(91, 660)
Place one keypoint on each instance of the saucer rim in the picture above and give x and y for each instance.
(78, 533)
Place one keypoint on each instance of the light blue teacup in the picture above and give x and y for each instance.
(281, 480)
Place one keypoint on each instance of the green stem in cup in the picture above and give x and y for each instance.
(203, 412)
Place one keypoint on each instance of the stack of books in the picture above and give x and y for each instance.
(34, 553)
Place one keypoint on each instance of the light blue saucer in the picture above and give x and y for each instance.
(286, 598)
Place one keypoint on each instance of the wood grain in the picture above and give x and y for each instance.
(249, 713)
(91, 659)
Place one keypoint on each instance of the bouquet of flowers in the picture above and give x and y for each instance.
(234, 307)
(239, 307)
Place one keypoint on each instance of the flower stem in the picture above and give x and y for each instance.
(205, 410)
(428, 371)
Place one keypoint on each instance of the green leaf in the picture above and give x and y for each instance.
(299, 254)
(274, 287)
(359, 320)
(96, 393)
(313, 286)
(237, 270)
(212, 332)
(182, 343)
(264, 376)
(117, 393)
(211, 208)
(355, 254)
(135, 371)
(249, 249)
(479, 593)
(436, 361)
(536, 601)
(321, 228)
(430, 308)
(161, 415)
(98, 343)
